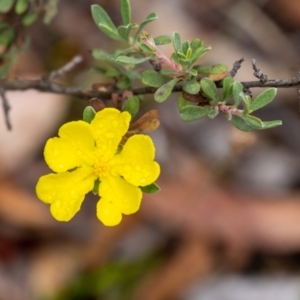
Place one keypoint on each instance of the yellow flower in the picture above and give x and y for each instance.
(85, 152)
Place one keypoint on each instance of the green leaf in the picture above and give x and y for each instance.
(246, 104)
(185, 47)
(176, 41)
(89, 114)
(126, 11)
(263, 99)
(146, 49)
(162, 40)
(132, 105)
(191, 86)
(213, 112)
(112, 73)
(124, 31)
(227, 88)
(192, 72)
(192, 112)
(271, 124)
(102, 19)
(21, 6)
(165, 90)
(195, 44)
(6, 5)
(210, 90)
(29, 19)
(95, 189)
(238, 93)
(150, 189)
(154, 79)
(182, 102)
(253, 121)
(198, 53)
(131, 60)
(123, 83)
(51, 10)
(7, 36)
(150, 18)
(240, 124)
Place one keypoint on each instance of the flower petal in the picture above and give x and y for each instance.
(65, 191)
(118, 196)
(74, 148)
(135, 162)
(109, 126)
(108, 213)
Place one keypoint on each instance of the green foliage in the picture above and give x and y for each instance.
(227, 89)
(165, 90)
(162, 40)
(191, 86)
(89, 114)
(150, 189)
(104, 22)
(238, 93)
(21, 6)
(210, 90)
(263, 99)
(132, 105)
(6, 5)
(114, 280)
(126, 12)
(154, 79)
(192, 112)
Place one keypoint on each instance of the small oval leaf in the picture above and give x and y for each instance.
(165, 90)
(126, 11)
(271, 124)
(89, 114)
(162, 40)
(191, 112)
(227, 88)
(154, 79)
(182, 102)
(176, 41)
(263, 99)
(150, 189)
(210, 90)
(21, 6)
(132, 105)
(191, 86)
(104, 22)
(151, 17)
(240, 124)
(237, 92)
(131, 60)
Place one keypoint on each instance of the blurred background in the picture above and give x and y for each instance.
(226, 224)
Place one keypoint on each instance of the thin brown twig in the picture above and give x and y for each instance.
(236, 66)
(66, 68)
(6, 108)
(51, 87)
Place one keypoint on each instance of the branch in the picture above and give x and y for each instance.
(6, 109)
(50, 87)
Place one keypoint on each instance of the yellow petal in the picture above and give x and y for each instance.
(109, 126)
(74, 148)
(108, 213)
(118, 196)
(65, 191)
(135, 162)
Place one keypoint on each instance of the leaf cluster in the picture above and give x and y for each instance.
(17, 15)
(200, 84)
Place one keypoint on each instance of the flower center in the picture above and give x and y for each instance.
(101, 168)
